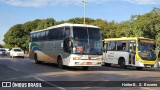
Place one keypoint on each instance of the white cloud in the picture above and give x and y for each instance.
(144, 1)
(26, 3)
(40, 3)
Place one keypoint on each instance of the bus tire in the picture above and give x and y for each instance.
(11, 57)
(121, 63)
(36, 60)
(85, 68)
(60, 63)
(139, 68)
(107, 64)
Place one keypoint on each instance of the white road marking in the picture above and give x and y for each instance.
(13, 68)
(54, 85)
(147, 88)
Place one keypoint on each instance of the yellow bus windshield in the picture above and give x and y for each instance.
(146, 49)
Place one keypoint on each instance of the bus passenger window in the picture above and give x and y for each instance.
(119, 46)
(47, 35)
(67, 32)
(124, 46)
(112, 45)
(31, 37)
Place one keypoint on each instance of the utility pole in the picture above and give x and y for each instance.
(84, 1)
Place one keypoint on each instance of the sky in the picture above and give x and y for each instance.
(20, 11)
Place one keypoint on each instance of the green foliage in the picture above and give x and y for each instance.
(45, 23)
(158, 38)
(18, 35)
(8, 46)
(1, 46)
(147, 25)
(80, 20)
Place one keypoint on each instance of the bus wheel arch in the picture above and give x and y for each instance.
(121, 62)
(108, 64)
(36, 59)
(60, 62)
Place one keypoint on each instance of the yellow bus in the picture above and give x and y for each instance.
(130, 51)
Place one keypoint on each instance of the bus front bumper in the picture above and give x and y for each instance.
(85, 63)
(157, 65)
(140, 64)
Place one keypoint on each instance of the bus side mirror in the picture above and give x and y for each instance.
(154, 47)
(70, 45)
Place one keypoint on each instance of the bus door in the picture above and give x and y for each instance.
(105, 46)
(110, 57)
(132, 52)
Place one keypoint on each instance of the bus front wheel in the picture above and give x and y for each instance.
(122, 63)
(139, 68)
(107, 64)
(85, 68)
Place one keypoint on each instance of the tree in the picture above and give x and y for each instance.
(14, 32)
(18, 35)
(1, 46)
(147, 25)
(43, 24)
(158, 39)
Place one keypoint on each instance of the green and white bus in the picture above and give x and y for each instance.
(67, 45)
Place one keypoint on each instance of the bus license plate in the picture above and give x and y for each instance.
(148, 66)
(89, 63)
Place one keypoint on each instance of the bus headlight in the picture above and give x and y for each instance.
(139, 60)
(99, 63)
(99, 58)
(76, 58)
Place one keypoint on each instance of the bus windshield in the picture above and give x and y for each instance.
(87, 41)
(146, 49)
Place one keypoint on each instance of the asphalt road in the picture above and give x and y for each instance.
(19, 69)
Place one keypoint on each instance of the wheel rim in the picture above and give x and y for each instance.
(122, 63)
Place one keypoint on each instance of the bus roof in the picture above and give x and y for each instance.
(126, 38)
(67, 24)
